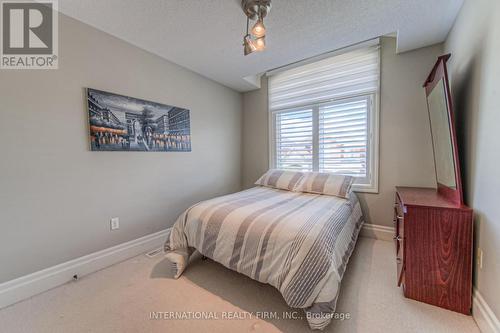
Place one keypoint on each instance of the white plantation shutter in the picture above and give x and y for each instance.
(343, 136)
(294, 140)
(324, 116)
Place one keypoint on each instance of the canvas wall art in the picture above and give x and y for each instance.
(121, 123)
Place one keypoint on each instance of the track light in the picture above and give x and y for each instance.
(255, 10)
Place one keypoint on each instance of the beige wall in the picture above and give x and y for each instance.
(56, 197)
(405, 142)
(255, 153)
(474, 43)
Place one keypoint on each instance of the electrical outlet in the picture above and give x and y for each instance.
(115, 223)
(480, 258)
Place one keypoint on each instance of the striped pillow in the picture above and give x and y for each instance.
(280, 179)
(326, 183)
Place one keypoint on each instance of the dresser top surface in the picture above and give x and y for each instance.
(425, 197)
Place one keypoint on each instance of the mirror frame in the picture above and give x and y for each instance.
(439, 71)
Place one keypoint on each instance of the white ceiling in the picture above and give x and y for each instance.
(205, 36)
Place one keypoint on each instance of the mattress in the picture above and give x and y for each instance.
(299, 243)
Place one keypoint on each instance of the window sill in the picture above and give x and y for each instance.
(365, 188)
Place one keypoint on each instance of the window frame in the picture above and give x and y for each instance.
(373, 123)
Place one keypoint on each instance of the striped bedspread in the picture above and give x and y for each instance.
(297, 242)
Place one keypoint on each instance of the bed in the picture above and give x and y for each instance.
(298, 242)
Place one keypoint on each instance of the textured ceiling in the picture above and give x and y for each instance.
(205, 36)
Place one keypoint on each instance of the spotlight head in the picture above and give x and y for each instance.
(259, 30)
(260, 43)
(249, 46)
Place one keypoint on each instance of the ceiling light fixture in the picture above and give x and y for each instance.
(255, 10)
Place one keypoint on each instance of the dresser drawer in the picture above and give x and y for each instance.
(400, 270)
(399, 225)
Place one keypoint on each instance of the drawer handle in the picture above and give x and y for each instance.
(398, 238)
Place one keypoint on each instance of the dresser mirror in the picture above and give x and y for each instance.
(439, 105)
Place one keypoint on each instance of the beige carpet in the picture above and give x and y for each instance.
(120, 299)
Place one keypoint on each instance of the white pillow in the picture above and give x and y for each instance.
(281, 179)
(326, 183)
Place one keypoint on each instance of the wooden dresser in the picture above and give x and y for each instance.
(433, 248)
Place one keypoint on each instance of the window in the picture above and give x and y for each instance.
(324, 116)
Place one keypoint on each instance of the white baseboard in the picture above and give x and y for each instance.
(377, 231)
(483, 315)
(26, 286)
